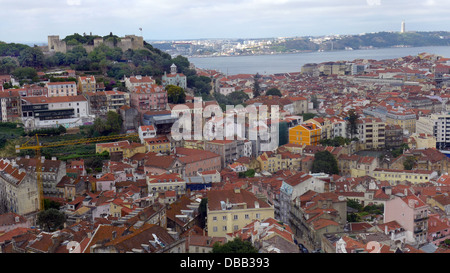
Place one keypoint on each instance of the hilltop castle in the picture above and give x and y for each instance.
(125, 43)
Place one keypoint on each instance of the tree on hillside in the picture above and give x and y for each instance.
(256, 87)
(352, 118)
(274, 92)
(32, 57)
(325, 162)
(175, 94)
(51, 220)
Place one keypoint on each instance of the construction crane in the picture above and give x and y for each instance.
(38, 146)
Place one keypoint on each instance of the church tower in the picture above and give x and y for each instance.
(173, 69)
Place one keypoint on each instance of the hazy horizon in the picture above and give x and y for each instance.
(32, 21)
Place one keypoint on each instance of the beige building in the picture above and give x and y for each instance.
(371, 133)
(231, 210)
(62, 89)
(18, 190)
(404, 118)
(421, 141)
(397, 176)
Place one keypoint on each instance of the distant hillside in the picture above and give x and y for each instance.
(377, 40)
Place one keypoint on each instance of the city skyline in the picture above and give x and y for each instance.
(179, 20)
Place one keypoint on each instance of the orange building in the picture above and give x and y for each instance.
(307, 134)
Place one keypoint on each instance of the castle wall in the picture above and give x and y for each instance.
(128, 42)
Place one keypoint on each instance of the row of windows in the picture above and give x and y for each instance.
(236, 217)
(400, 176)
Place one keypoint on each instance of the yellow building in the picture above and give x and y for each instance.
(158, 144)
(325, 125)
(86, 84)
(305, 134)
(194, 144)
(273, 162)
(395, 176)
(231, 210)
(128, 149)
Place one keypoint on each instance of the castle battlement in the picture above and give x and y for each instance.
(128, 42)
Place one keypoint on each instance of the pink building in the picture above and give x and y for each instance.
(106, 182)
(438, 230)
(148, 97)
(412, 214)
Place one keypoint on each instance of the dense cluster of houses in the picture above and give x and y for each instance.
(184, 196)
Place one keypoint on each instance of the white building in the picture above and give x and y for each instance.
(174, 78)
(41, 112)
(147, 131)
(437, 125)
(138, 80)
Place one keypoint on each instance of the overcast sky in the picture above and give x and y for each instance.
(33, 21)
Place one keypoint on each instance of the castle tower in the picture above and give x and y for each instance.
(402, 30)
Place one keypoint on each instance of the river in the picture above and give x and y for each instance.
(282, 63)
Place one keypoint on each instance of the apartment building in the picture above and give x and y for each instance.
(305, 134)
(10, 106)
(405, 118)
(314, 214)
(396, 176)
(371, 133)
(19, 192)
(412, 214)
(138, 80)
(229, 150)
(231, 210)
(62, 89)
(86, 84)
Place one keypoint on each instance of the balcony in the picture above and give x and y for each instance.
(419, 218)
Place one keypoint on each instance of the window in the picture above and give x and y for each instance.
(224, 217)
(235, 217)
(215, 229)
(215, 218)
(224, 228)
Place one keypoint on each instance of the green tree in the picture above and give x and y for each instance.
(22, 73)
(274, 92)
(7, 65)
(409, 163)
(352, 118)
(175, 94)
(202, 211)
(256, 86)
(325, 162)
(315, 101)
(51, 220)
(32, 56)
(235, 246)
(51, 204)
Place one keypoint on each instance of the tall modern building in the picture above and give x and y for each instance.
(437, 125)
(402, 30)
